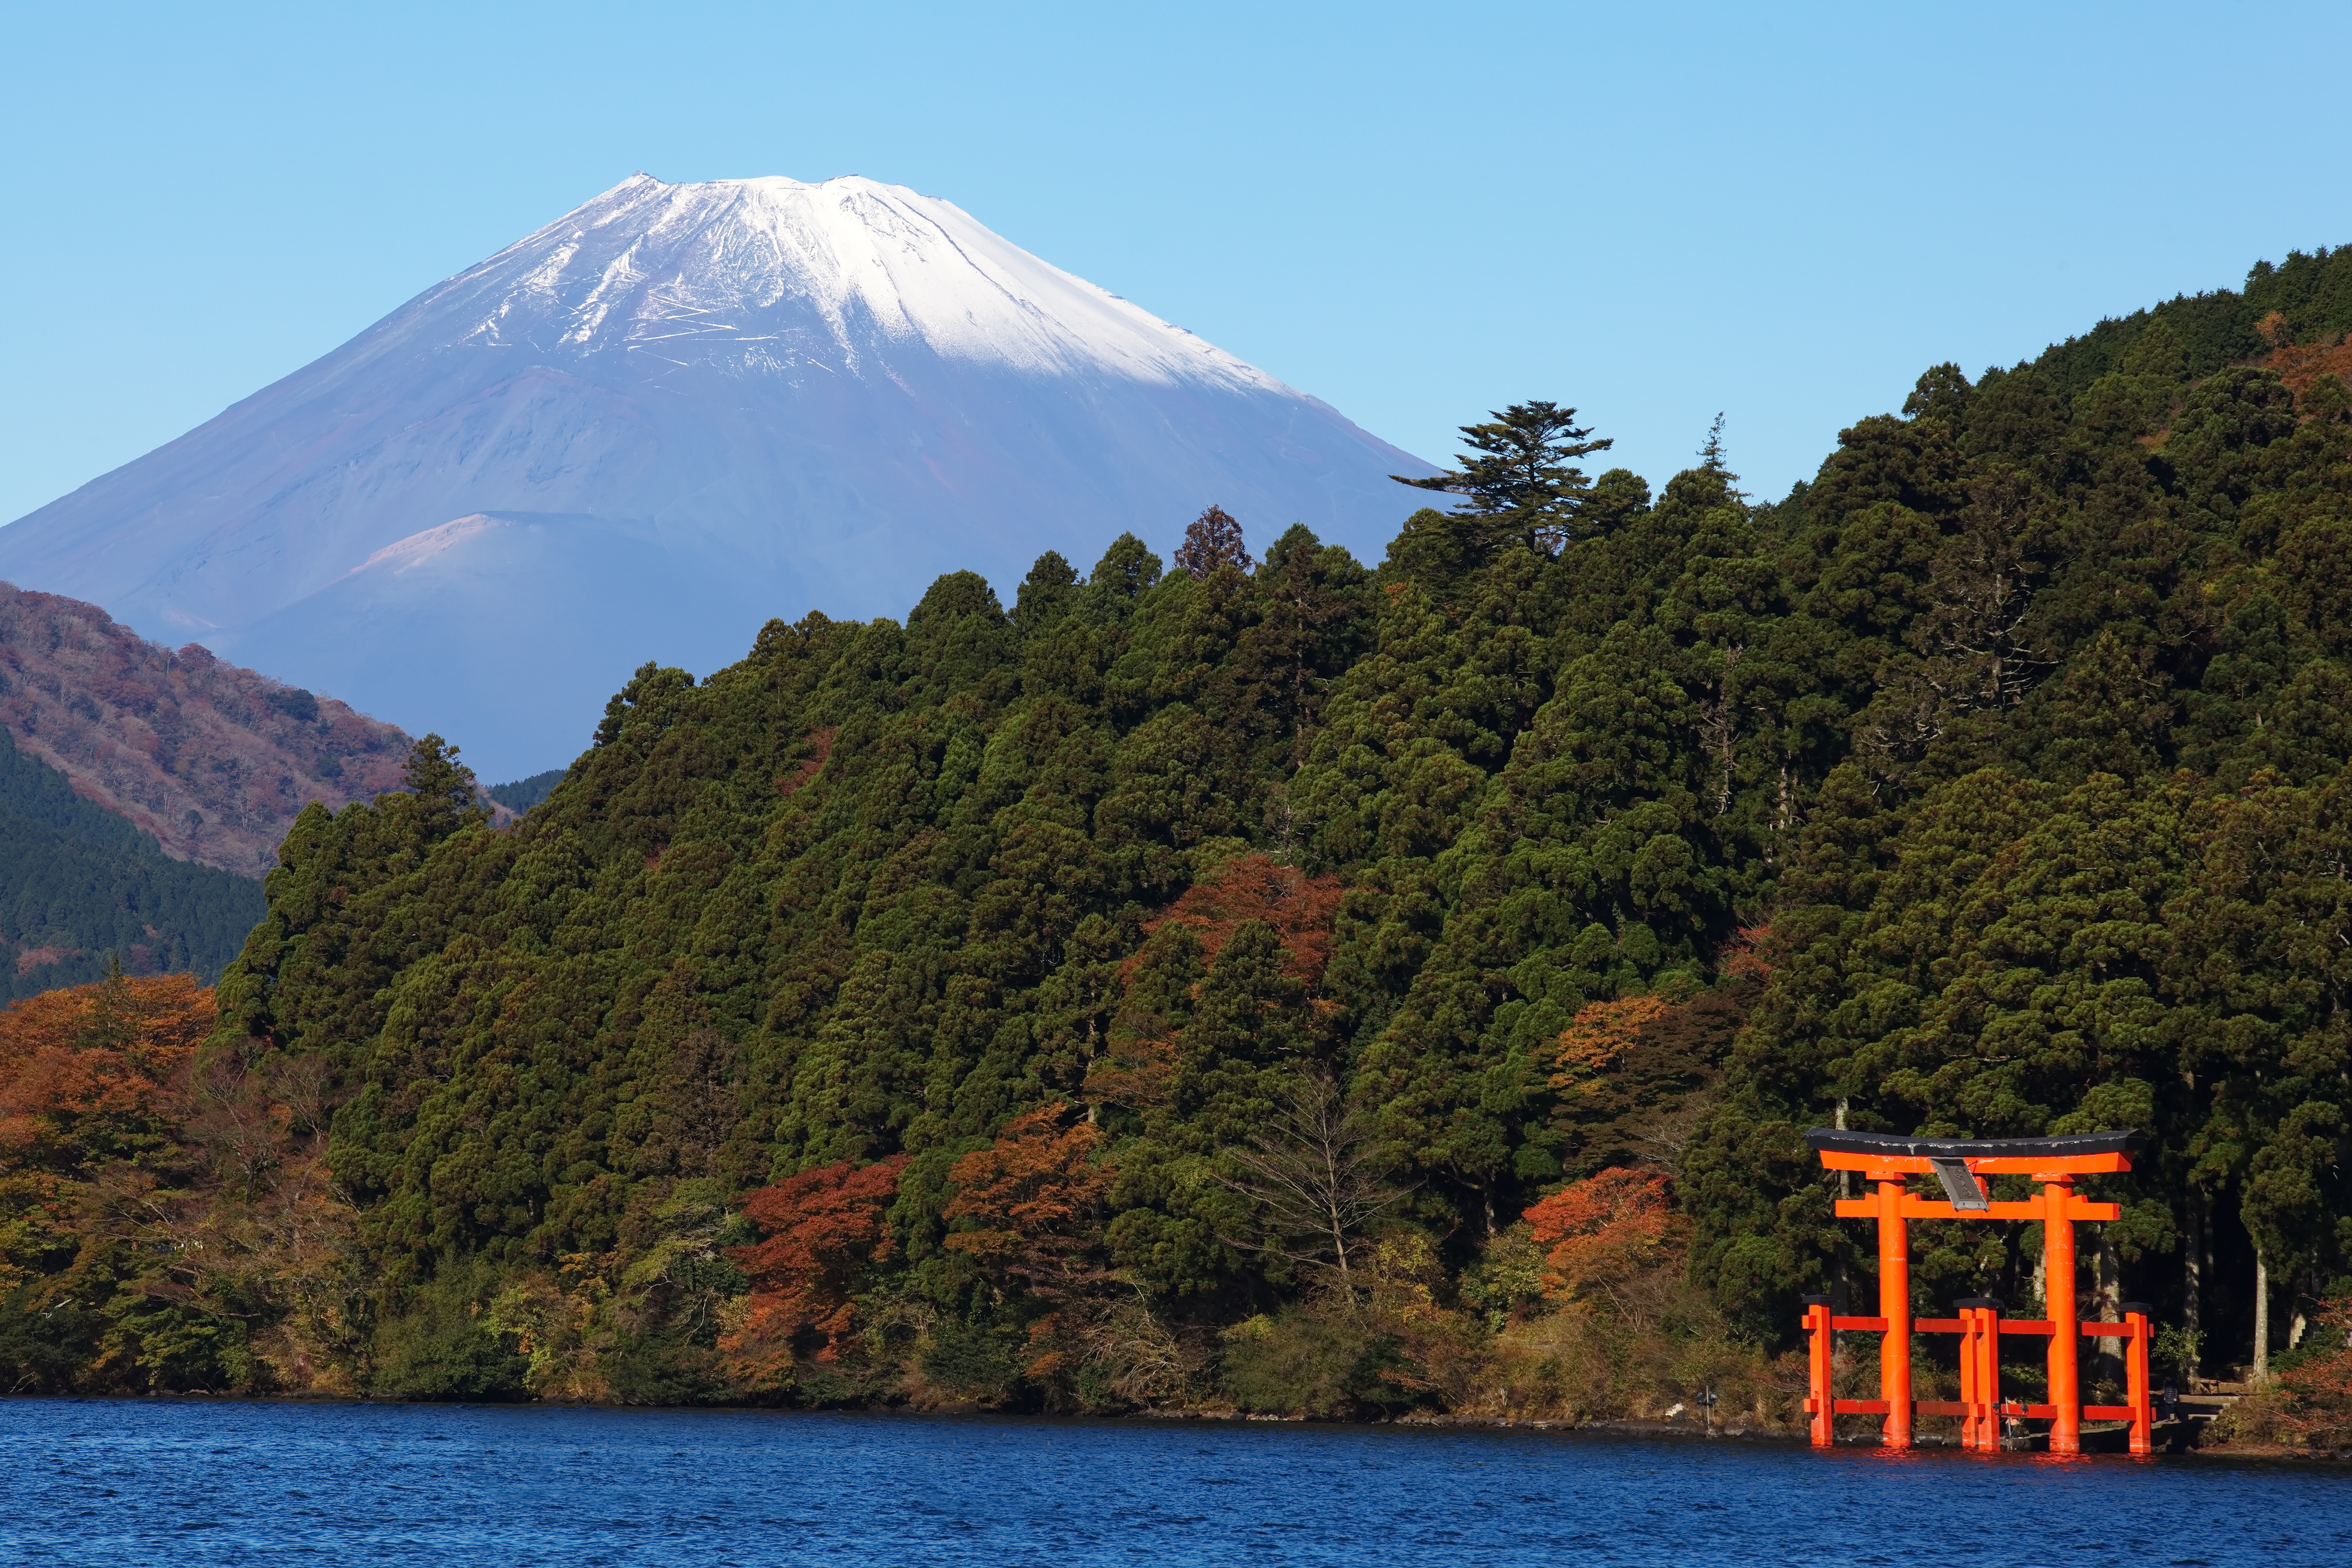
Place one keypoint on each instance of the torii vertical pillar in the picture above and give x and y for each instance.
(1894, 1306)
(2136, 1390)
(2065, 1326)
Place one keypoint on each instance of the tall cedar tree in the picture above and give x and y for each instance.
(1517, 481)
(1211, 540)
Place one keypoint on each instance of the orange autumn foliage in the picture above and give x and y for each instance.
(1035, 1196)
(1744, 956)
(2301, 365)
(1602, 1231)
(1595, 1041)
(1139, 1074)
(87, 1073)
(825, 1228)
(1259, 888)
(2319, 1391)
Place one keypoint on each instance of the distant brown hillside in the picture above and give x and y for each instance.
(212, 760)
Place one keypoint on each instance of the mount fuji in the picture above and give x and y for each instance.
(673, 413)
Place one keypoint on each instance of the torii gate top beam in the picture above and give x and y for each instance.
(1887, 1154)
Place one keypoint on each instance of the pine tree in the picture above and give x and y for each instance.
(1519, 481)
(446, 795)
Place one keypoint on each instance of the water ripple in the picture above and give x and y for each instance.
(121, 1482)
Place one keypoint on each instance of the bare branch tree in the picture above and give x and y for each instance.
(1719, 726)
(1315, 1174)
(1978, 630)
(1977, 644)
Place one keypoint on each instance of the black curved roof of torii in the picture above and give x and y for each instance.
(1833, 1140)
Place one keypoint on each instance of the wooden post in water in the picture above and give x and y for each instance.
(1820, 1402)
(1988, 1373)
(1971, 1399)
(2136, 1391)
(1980, 1374)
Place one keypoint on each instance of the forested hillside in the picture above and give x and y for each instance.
(212, 760)
(523, 794)
(1317, 986)
(80, 885)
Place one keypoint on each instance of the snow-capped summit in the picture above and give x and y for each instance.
(672, 413)
(770, 275)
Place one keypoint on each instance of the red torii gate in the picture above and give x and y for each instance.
(1961, 1164)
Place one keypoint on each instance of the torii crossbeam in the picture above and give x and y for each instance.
(1960, 1164)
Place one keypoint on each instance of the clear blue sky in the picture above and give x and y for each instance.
(1416, 212)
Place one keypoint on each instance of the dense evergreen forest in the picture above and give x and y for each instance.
(524, 794)
(1314, 987)
(82, 883)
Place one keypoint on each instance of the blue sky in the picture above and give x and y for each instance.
(1415, 212)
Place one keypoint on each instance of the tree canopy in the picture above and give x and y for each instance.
(1518, 482)
(959, 1009)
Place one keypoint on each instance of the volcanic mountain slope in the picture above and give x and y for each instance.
(660, 420)
(212, 759)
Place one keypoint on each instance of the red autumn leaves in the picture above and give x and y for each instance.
(88, 1073)
(1600, 1232)
(1259, 888)
(1604, 1230)
(1027, 1209)
(1033, 1199)
(824, 1230)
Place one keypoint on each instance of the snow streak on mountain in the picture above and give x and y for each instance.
(660, 420)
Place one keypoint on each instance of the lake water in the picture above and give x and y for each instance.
(127, 1482)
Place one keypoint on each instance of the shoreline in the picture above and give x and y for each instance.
(1632, 1428)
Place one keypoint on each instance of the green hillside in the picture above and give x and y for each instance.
(2306, 299)
(77, 882)
(1176, 986)
(524, 794)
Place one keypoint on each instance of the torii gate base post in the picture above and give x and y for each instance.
(1821, 1401)
(2137, 1397)
(1980, 1374)
(1961, 1164)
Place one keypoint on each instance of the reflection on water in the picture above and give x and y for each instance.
(116, 1483)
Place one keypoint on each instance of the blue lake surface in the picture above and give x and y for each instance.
(123, 1482)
